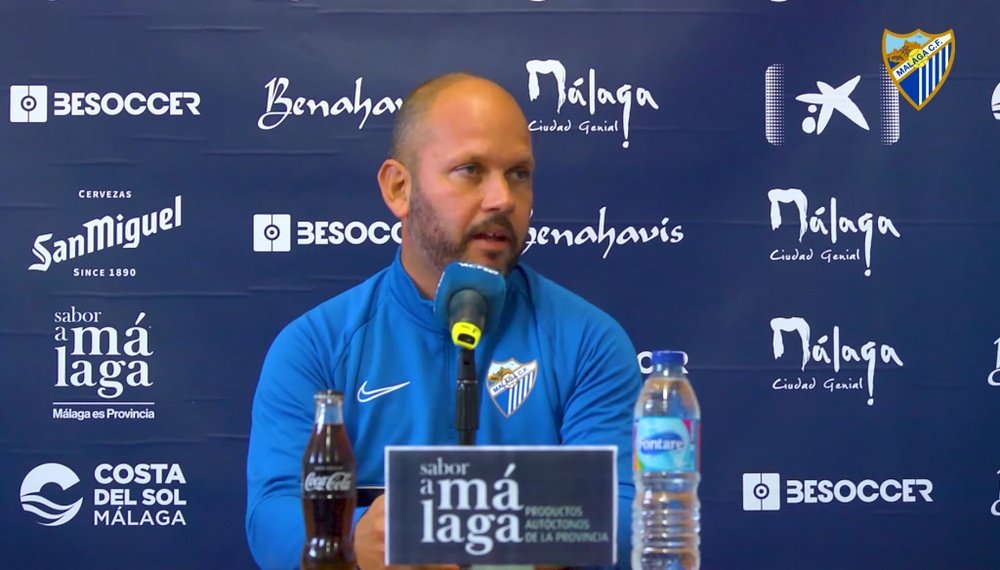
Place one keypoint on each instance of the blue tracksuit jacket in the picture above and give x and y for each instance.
(382, 334)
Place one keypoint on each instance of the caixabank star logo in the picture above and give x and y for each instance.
(842, 103)
(918, 63)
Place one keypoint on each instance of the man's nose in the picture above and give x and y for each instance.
(497, 195)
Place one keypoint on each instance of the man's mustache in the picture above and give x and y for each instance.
(496, 220)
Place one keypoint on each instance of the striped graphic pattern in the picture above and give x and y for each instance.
(889, 107)
(774, 104)
(520, 391)
(929, 76)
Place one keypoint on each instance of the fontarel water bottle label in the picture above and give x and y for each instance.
(666, 444)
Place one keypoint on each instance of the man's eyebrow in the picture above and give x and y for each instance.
(528, 161)
(462, 158)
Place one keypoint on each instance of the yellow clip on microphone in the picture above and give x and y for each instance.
(466, 335)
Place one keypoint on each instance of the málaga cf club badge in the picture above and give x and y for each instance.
(510, 382)
(918, 63)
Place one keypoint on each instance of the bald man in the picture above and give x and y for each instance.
(459, 178)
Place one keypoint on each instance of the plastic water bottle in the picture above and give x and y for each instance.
(666, 433)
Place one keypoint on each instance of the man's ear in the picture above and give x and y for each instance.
(394, 180)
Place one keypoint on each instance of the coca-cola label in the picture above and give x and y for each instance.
(335, 482)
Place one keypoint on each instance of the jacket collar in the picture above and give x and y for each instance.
(405, 292)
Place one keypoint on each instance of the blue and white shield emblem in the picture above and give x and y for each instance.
(918, 63)
(509, 383)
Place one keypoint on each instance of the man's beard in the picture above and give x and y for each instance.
(433, 240)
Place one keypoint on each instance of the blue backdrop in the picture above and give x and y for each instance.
(183, 178)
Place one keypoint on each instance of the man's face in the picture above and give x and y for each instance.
(471, 191)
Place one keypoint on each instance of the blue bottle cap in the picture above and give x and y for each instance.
(668, 357)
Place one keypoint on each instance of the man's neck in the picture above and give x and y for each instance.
(426, 281)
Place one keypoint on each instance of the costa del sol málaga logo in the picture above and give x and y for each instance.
(49, 513)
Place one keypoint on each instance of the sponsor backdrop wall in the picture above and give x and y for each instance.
(739, 179)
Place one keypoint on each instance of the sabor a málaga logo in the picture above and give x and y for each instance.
(102, 366)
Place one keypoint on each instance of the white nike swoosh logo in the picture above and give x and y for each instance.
(367, 396)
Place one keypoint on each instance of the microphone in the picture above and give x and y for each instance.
(469, 301)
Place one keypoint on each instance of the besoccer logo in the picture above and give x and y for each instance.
(761, 491)
(29, 103)
(48, 511)
(272, 232)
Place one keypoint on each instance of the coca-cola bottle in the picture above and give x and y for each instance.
(329, 491)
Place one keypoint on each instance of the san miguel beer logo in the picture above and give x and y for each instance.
(918, 63)
(510, 382)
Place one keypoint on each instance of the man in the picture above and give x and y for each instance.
(459, 178)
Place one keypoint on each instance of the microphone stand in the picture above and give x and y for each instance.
(467, 402)
(467, 398)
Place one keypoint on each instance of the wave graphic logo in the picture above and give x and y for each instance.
(32, 500)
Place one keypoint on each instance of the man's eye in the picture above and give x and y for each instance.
(521, 174)
(468, 169)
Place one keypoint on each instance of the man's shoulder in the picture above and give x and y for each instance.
(356, 297)
(342, 314)
(560, 305)
(583, 338)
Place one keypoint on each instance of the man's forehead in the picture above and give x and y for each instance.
(452, 142)
(476, 120)
(476, 100)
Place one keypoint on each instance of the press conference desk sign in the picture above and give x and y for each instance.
(501, 505)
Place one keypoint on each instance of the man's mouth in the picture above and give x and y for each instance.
(498, 237)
